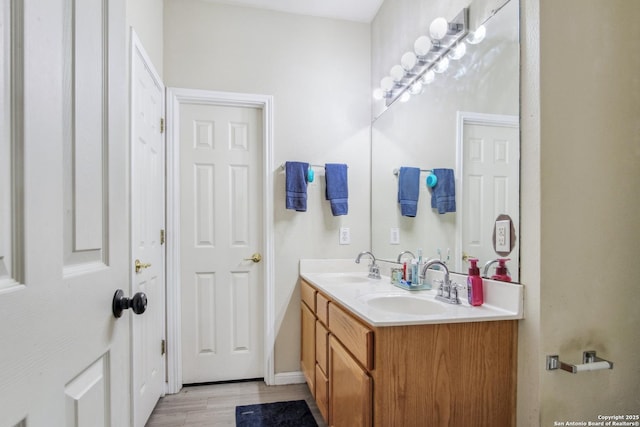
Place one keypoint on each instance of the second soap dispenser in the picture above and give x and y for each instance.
(502, 273)
(475, 293)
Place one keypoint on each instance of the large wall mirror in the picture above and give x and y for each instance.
(465, 120)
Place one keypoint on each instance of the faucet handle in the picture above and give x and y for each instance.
(374, 271)
(440, 284)
(459, 286)
(454, 295)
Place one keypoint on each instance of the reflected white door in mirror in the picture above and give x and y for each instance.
(488, 161)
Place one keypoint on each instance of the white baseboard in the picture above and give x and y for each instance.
(284, 378)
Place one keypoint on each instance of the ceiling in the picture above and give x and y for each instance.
(351, 10)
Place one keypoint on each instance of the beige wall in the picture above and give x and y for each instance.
(146, 18)
(590, 199)
(318, 72)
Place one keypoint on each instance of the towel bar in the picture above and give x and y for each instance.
(282, 166)
(590, 362)
(397, 171)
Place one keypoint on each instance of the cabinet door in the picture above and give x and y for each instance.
(349, 389)
(308, 346)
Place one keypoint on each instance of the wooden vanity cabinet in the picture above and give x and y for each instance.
(451, 374)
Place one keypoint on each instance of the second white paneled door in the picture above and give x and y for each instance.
(220, 242)
(147, 233)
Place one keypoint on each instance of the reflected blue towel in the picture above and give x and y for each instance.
(408, 190)
(296, 185)
(337, 188)
(443, 196)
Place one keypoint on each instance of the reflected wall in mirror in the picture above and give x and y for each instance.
(466, 120)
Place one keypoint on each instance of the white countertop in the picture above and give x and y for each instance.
(347, 283)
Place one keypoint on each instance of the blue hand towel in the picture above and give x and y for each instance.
(443, 196)
(296, 185)
(408, 190)
(337, 188)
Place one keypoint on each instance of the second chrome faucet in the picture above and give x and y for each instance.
(447, 292)
(374, 270)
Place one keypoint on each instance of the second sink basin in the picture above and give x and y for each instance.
(403, 304)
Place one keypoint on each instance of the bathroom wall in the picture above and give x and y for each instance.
(590, 199)
(146, 17)
(318, 71)
(530, 353)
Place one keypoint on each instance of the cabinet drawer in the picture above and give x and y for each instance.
(322, 393)
(322, 308)
(322, 341)
(308, 295)
(355, 336)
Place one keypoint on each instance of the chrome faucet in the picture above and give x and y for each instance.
(405, 253)
(447, 292)
(374, 270)
(485, 270)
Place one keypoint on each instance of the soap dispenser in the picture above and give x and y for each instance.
(501, 271)
(475, 293)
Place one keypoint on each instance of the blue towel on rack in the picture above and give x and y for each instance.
(443, 196)
(337, 188)
(296, 185)
(408, 190)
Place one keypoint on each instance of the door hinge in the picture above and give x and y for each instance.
(161, 124)
(162, 237)
(163, 348)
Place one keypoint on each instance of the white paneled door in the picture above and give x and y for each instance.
(221, 242)
(64, 357)
(147, 233)
(491, 183)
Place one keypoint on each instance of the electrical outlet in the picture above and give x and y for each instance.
(394, 238)
(345, 236)
(503, 236)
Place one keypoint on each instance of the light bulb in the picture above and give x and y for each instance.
(438, 28)
(458, 51)
(378, 94)
(408, 61)
(397, 73)
(442, 65)
(478, 35)
(428, 77)
(416, 88)
(422, 45)
(386, 84)
(405, 96)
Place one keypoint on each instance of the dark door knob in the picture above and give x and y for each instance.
(138, 303)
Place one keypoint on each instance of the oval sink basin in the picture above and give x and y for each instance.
(346, 278)
(404, 304)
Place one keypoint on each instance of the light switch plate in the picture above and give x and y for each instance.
(503, 236)
(394, 238)
(345, 236)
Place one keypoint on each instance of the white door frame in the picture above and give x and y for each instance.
(470, 118)
(175, 97)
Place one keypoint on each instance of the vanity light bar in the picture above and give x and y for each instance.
(418, 68)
